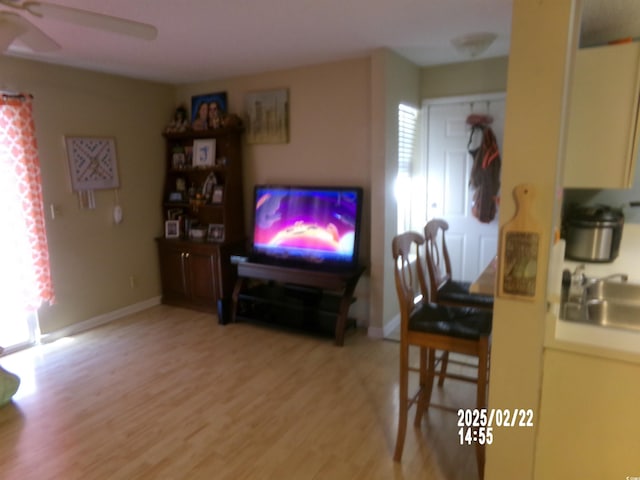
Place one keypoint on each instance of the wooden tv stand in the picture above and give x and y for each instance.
(334, 290)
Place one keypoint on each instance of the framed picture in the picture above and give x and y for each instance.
(218, 194)
(207, 186)
(174, 213)
(267, 115)
(92, 163)
(188, 156)
(215, 233)
(178, 160)
(204, 152)
(207, 110)
(172, 229)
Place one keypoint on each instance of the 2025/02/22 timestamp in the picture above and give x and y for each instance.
(476, 425)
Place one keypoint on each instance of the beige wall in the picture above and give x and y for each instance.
(91, 258)
(468, 78)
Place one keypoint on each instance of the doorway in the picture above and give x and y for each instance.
(471, 244)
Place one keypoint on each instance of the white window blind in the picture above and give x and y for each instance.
(407, 130)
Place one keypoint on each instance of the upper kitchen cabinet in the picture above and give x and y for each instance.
(602, 135)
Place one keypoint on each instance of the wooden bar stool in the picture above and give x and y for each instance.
(433, 327)
(443, 288)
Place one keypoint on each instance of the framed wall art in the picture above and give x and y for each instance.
(92, 163)
(267, 115)
(204, 152)
(207, 110)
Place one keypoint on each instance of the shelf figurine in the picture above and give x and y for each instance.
(179, 122)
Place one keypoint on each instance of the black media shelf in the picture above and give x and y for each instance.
(312, 301)
(291, 306)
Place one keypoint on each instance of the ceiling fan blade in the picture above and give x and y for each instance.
(34, 38)
(10, 29)
(92, 19)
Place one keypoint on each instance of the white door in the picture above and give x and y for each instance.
(471, 244)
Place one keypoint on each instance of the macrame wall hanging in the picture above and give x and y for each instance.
(92, 166)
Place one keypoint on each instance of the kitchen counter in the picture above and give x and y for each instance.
(605, 342)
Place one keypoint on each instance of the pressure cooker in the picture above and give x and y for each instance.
(593, 233)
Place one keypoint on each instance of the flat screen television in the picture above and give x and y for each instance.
(307, 226)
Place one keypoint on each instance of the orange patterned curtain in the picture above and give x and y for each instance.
(25, 276)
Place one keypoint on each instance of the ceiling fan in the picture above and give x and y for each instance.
(14, 25)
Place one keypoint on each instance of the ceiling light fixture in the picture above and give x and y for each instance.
(473, 44)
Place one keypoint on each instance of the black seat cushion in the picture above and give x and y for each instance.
(458, 292)
(469, 323)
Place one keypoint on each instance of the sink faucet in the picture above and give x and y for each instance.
(575, 290)
(578, 281)
(622, 276)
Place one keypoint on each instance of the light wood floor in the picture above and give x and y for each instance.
(170, 394)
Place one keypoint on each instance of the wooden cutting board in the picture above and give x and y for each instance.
(520, 240)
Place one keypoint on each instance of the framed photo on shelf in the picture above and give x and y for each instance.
(204, 152)
(207, 110)
(178, 160)
(218, 194)
(188, 156)
(172, 229)
(208, 185)
(92, 163)
(174, 213)
(215, 233)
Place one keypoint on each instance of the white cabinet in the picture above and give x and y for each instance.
(588, 417)
(602, 134)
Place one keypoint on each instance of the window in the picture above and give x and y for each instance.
(25, 280)
(407, 151)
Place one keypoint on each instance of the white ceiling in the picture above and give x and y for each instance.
(202, 40)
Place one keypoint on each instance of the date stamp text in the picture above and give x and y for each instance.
(476, 425)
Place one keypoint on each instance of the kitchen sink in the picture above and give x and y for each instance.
(611, 313)
(609, 290)
(607, 304)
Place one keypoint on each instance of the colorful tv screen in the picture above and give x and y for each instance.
(308, 225)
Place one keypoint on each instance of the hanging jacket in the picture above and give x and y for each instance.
(485, 174)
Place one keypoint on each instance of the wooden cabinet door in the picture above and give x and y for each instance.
(202, 274)
(192, 274)
(175, 285)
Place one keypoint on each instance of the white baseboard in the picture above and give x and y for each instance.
(383, 332)
(100, 320)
